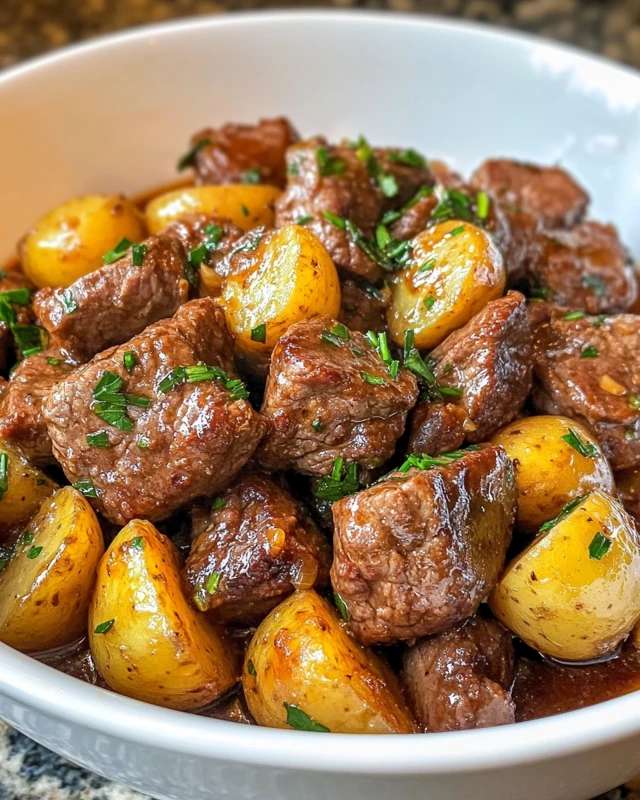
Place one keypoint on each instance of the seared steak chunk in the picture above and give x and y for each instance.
(589, 369)
(548, 193)
(462, 678)
(158, 421)
(362, 306)
(117, 301)
(585, 268)
(244, 153)
(329, 395)
(21, 419)
(419, 551)
(257, 547)
(490, 361)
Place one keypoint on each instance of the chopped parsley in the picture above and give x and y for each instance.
(251, 668)
(18, 296)
(138, 252)
(244, 209)
(427, 265)
(100, 439)
(457, 230)
(296, 718)
(415, 363)
(451, 391)
(218, 504)
(586, 449)
(29, 339)
(341, 606)
(117, 252)
(292, 169)
(212, 583)
(304, 220)
(203, 372)
(634, 402)
(600, 546)
(252, 176)
(589, 352)
(597, 322)
(259, 333)
(334, 219)
(4, 474)
(248, 246)
(138, 543)
(482, 205)
(189, 158)
(341, 483)
(596, 284)
(54, 362)
(393, 216)
(336, 336)
(110, 403)
(429, 302)
(573, 316)
(143, 443)
(104, 627)
(387, 183)
(317, 425)
(69, 301)
(367, 377)
(383, 237)
(329, 166)
(453, 204)
(408, 158)
(86, 489)
(128, 360)
(34, 552)
(429, 462)
(564, 513)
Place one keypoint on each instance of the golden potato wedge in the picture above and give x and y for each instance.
(69, 241)
(247, 206)
(46, 587)
(302, 670)
(556, 460)
(575, 592)
(455, 270)
(23, 488)
(145, 638)
(287, 278)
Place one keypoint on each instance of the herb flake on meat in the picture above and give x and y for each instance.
(341, 483)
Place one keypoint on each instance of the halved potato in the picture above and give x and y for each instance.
(247, 206)
(455, 270)
(25, 487)
(556, 460)
(70, 240)
(303, 670)
(46, 587)
(145, 638)
(288, 277)
(575, 592)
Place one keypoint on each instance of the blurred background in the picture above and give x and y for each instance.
(31, 27)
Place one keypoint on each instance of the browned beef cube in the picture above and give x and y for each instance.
(585, 268)
(548, 193)
(489, 361)
(257, 547)
(362, 306)
(462, 678)
(117, 301)
(21, 418)
(158, 421)
(589, 369)
(12, 290)
(330, 395)
(419, 551)
(244, 153)
(329, 184)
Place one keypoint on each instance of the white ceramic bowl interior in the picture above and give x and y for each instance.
(114, 115)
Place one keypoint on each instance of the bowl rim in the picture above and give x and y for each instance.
(62, 698)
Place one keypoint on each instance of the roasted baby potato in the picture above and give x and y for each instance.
(146, 640)
(556, 460)
(70, 240)
(303, 671)
(23, 487)
(246, 206)
(575, 592)
(287, 278)
(455, 270)
(46, 586)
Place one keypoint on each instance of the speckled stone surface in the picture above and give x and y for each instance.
(32, 27)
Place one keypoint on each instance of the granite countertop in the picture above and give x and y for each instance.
(31, 27)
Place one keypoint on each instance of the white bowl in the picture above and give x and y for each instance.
(113, 115)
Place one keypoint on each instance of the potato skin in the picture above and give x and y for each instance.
(69, 241)
(289, 277)
(549, 471)
(301, 655)
(563, 602)
(157, 649)
(45, 593)
(27, 488)
(246, 206)
(465, 271)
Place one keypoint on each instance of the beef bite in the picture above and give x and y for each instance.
(236, 153)
(145, 283)
(588, 368)
(419, 551)
(462, 678)
(330, 395)
(362, 306)
(585, 268)
(257, 546)
(154, 423)
(489, 362)
(329, 185)
(21, 418)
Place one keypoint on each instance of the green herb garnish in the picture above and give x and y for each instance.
(429, 302)
(100, 439)
(634, 402)
(296, 718)
(589, 352)
(128, 360)
(600, 545)
(53, 362)
(4, 474)
(29, 339)
(341, 606)
(252, 176)
(18, 296)
(188, 159)
(259, 333)
(138, 252)
(34, 552)
(596, 284)
(212, 583)
(218, 504)
(117, 252)
(564, 513)
(367, 377)
(482, 205)
(86, 489)
(334, 219)
(250, 668)
(585, 449)
(457, 230)
(304, 220)
(138, 543)
(409, 158)
(329, 166)
(573, 315)
(317, 425)
(143, 443)
(341, 483)
(104, 627)
(427, 265)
